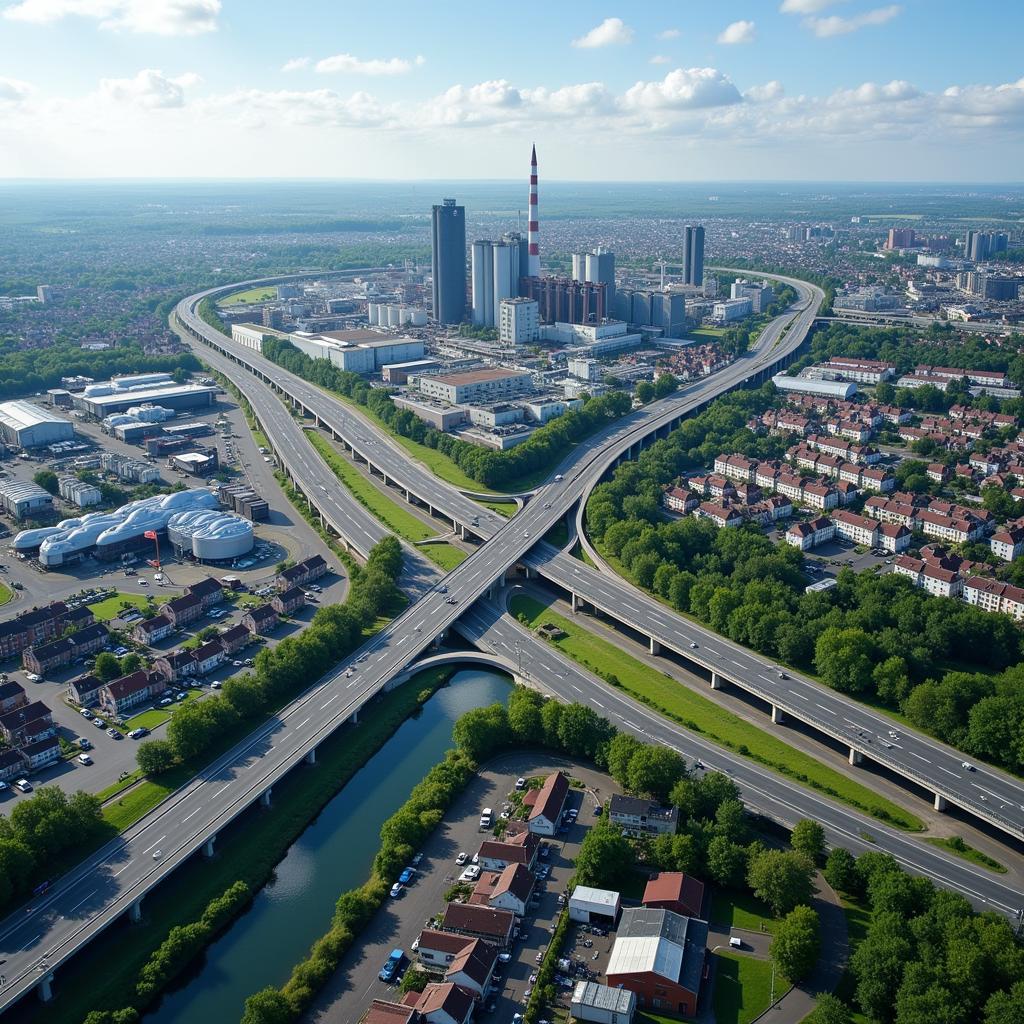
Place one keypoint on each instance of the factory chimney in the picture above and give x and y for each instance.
(533, 233)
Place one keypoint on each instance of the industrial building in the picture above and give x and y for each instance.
(595, 340)
(121, 393)
(731, 310)
(25, 425)
(210, 535)
(488, 385)
(759, 293)
(594, 906)
(358, 351)
(389, 314)
(641, 308)
(560, 299)
(496, 271)
(130, 470)
(592, 1001)
(398, 373)
(595, 267)
(22, 499)
(78, 492)
(252, 335)
(843, 390)
(448, 262)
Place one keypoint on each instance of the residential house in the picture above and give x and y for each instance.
(992, 596)
(487, 923)
(12, 695)
(546, 804)
(66, 649)
(209, 656)
(127, 692)
(84, 690)
(260, 620)
(637, 816)
(443, 1003)
(1007, 543)
(678, 499)
(806, 536)
(41, 752)
(893, 537)
(288, 601)
(234, 638)
(182, 610)
(856, 529)
(515, 848)
(933, 579)
(938, 472)
(153, 630)
(27, 724)
(176, 665)
(508, 889)
(473, 967)
(675, 891)
(946, 527)
(438, 949)
(303, 573)
(12, 765)
(39, 625)
(720, 515)
(383, 1011)
(209, 591)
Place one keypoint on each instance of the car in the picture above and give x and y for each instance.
(137, 734)
(462, 858)
(504, 958)
(444, 589)
(393, 964)
(248, 662)
(84, 759)
(24, 785)
(99, 723)
(526, 534)
(216, 684)
(967, 766)
(166, 701)
(782, 675)
(693, 645)
(84, 744)
(85, 713)
(396, 890)
(547, 504)
(520, 783)
(181, 696)
(415, 944)
(143, 583)
(471, 874)
(33, 677)
(114, 734)
(406, 877)
(3, 786)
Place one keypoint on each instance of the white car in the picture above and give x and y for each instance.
(967, 766)
(471, 874)
(462, 858)
(84, 759)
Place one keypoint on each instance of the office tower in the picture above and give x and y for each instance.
(901, 238)
(693, 255)
(1000, 241)
(518, 321)
(448, 262)
(483, 283)
(534, 227)
(599, 268)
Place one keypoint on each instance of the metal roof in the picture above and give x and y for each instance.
(603, 997)
(20, 414)
(599, 897)
(662, 942)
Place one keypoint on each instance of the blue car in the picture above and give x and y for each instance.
(389, 972)
(406, 876)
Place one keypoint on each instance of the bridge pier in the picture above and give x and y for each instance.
(717, 682)
(135, 911)
(575, 604)
(208, 847)
(778, 715)
(355, 717)
(265, 796)
(940, 802)
(855, 756)
(653, 646)
(310, 758)
(45, 988)
(439, 639)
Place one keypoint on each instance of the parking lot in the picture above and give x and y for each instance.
(397, 925)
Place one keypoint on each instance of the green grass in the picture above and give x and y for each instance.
(103, 975)
(110, 607)
(137, 803)
(956, 846)
(6, 593)
(743, 988)
(446, 556)
(558, 534)
(105, 794)
(708, 332)
(732, 909)
(503, 508)
(704, 716)
(264, 294)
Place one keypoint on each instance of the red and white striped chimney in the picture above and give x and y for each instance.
(533, 233)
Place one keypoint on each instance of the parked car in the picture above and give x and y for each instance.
(462, 858)
(24, 785)
(137, 734)
(84, 759)
(393, 964)
(406, 877)
(99, 723)
(84, 744)
(165, 701)
(396, 890)
(85, 713)
(471, 874)
(520, 783)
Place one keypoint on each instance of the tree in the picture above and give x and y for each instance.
(644, 392)
(841, 870)
(830, 1010)
(1006, 1007)
(581, 731)
(130, 662)
(655, 770)
(155, 756)
(524, 716)
(699, 798)
(618, 754)
(107, 667)
(604, 857)
(808, 838)
(878, 963)
(781, 878)
(796, 944)
(47, 479)
(482, 731)
(268, 1006)
(845, 659)
(726, 861)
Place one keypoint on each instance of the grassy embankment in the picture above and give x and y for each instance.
(956, 846)
(104, 974)
(395, 517)
(703, 716)
(6, 593)
(743, 987)
(264, 294)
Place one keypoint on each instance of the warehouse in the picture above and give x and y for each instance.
(101, 400)
(594, 1002)
(25, 425)
(358, 351)
(21, 499)
(594, 906)
(807, 386)
(490, 385)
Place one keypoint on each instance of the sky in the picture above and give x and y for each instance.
(678, 90)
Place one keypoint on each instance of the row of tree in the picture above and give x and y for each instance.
(284, 670)
(545, 448)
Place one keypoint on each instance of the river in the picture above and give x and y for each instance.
(332, 855)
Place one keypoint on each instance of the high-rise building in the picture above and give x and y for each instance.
(506, 272)
(600, 269)
(579, 266)
(983, 245)
(482, 264)
(516, 239)
(901, 238)
(693, 254)
(518, 321)
(273, 316)
(448, 262)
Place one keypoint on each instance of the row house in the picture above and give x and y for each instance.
(810, 534)
(12, 695)
(209, 591)
(27, 724)
(39, 625)
(127, 692)
(981, 378)
(737, 467)
(975, 512)
(950, 528)
(176, 665)
(788, 423)
(84, 690)
(67, 649)
(41, 752)
(234, 638)
(746, 494)
(720, 515)
(681, 500)
(963, 471)
(850, 430)
(260, 620)
(863, 454)
(769, 511)
(895, 414)
(153, 630)
(986, 464)
(862, 371)
(12, 765)
(894, 538)
(938, 472)
(180, 611)
(713, 486)
(288, 601)
(302, 573)
(209, 656)
(993, 596)
(856, 529)
(933, 579)
(872, 478)
(1008, 543)
(891, 510)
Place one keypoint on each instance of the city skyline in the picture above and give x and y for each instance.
(811, 90)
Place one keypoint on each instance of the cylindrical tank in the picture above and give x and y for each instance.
(394, 316)
(418, 317)
(373, 313)
(225, 537)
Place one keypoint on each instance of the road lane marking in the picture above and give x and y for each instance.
(195, 812)
(155, 845)
(948, 772)
(303, 722)
(919, 757)
(81, 901)
(823, 708)
(29, 943)
(800, 695)
(335, 697)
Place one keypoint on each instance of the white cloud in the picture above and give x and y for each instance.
(805, 6)
(683, 89)
(659, 58)
(310, 108)
(347, 64)
(669, 33)
(895, 91)
(152, 17)
(837, 26)
(764, 93)
(150, 88)
(14, 91)
(499, 102)
(296, 64)
(737, 32)
(611, 32)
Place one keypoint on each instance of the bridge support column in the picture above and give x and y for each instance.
(45, 988)
(355, 717)
(311, 756)
(135, 911)
(653, 646)
(575, 604)
(940, 802)
(778, 715)
(717, 682)
(208, 847)
(439, 639)
(855, 756)
(265, 797)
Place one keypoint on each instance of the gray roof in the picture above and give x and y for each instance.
(679, 944)
(603, 997)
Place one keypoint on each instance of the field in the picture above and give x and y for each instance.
(250, 295)
(731, 909)
(110, 607)
(707, 718)
(6, 593)
(743, 988)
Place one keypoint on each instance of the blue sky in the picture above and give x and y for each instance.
(761, 89)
